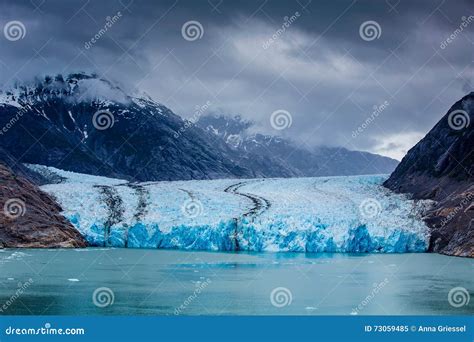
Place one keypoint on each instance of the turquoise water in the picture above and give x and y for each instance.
(169, 282)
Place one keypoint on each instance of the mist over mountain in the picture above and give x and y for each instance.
(260, 150)
(86, 124)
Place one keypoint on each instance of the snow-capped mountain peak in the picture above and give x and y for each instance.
(87, 124)
(78, 87)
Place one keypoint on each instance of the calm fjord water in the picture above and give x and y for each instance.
(97, 281)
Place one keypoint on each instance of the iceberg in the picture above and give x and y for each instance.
(352, 214)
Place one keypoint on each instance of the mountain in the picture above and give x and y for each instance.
(31, 218)
(441, 167)
(264, 151)
(86, 124)
(8, 161)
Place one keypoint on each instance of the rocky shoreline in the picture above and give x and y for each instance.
(30, 218)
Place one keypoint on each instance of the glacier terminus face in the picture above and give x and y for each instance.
(325, 214)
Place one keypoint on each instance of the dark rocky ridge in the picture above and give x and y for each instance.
(57, 129)
(146, 141)
(31, 218)
(18, 169)
(441, 167)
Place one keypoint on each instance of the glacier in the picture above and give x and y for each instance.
(352, 214)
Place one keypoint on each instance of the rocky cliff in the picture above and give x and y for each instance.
(441, 167)
(31, 218)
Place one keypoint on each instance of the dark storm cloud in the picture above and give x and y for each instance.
(319, 68)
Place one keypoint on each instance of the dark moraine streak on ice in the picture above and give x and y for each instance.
(260, 204)
(142, 204)
(115, 207)
(326, 214)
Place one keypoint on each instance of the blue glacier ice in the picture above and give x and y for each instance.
(326, 214)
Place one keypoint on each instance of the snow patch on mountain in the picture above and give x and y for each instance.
(284, 157)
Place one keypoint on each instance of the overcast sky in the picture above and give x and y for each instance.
(321, 69)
